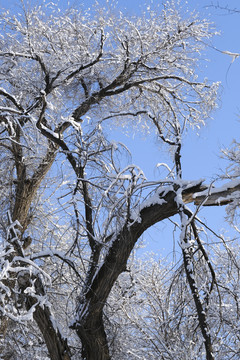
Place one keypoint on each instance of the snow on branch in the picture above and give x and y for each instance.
(18, 277)
(218, 196)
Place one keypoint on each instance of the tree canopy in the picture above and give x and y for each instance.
(73, 206)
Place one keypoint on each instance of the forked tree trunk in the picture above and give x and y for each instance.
(89, 323)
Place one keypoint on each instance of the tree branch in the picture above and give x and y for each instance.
(215, 196)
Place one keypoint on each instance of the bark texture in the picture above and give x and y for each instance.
(26, 189)
(89, 325)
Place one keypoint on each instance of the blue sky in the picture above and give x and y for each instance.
(200, 156)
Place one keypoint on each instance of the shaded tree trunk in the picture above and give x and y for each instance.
(89, 322)
(93, 338)
(56, 344)
(26, 189)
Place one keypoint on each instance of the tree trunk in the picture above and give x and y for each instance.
(94, 339)
(56, 344)
(89, 322)
(26, 189)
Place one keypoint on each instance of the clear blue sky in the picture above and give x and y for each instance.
(200, 155)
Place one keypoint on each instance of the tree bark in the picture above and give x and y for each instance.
(26, 189)
(56, 344)
(89, 322)
(208, 196)
(198, 304)
(93, 338)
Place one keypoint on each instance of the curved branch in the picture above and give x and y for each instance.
(11, 98)
(89, 314)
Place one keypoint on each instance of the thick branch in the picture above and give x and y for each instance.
(89, 323)
(123, 243)
(213, 196)
(27, 187)
(11, 98)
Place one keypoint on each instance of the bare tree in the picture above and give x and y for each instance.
(72, 210)
(153, 304)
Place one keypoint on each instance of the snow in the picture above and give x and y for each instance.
(235, 194)
(186, 245)
(120, 177)
(166, 166)
(229, 185)
(156, 198)
(152, 200)
(55, 325)
(234, 56)
(75, 124)
(7, 110)
(50, 253)
(54, 134)
(32, 266)
(126, 186)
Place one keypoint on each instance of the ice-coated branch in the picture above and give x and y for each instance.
(12, 98)
(22, 286)
(91, 63)
(217, 196)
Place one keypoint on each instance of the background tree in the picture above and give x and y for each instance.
(155, 309)
(73, 206)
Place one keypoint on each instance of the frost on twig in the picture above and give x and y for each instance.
(18, 277)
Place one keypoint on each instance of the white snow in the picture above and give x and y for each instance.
(230, 185)
(54, 134)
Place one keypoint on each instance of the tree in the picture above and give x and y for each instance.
(73, 207)
(159, 315)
